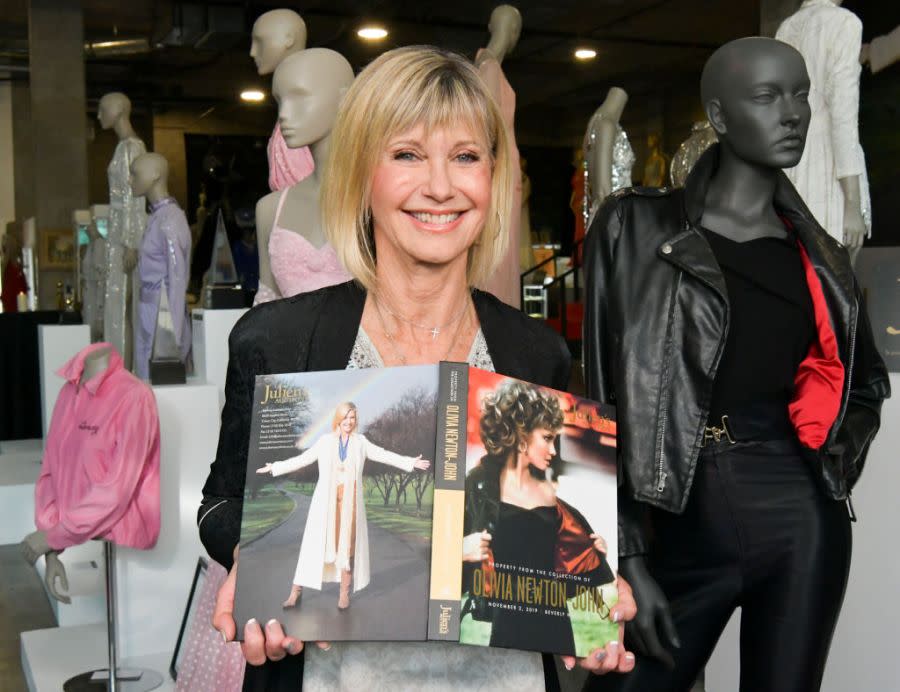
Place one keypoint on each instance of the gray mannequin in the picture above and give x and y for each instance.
(308, 87)
(127, 220)
(703, 527)
(608, 157)
(35, 544)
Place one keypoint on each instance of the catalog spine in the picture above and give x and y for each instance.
(449, 503)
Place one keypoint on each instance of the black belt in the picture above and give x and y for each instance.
(751, 422)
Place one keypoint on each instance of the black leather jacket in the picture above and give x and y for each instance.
(656, 319)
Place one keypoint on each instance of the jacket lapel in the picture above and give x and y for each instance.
(334, 333)
(691, 252)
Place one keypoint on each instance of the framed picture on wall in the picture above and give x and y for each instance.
(57, 249)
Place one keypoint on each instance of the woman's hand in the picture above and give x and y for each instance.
(265, 469)
(476, 546)
(421, 464)
(259, 645)
(613, 657)
(599, 543)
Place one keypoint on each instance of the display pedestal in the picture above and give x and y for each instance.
(52, 656)
(862, 653)
(153, 585)
(210, 330)
(57, 344)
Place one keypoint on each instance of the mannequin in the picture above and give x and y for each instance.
(655, 168)
(35, 543)
(127, 220)
(701, 138)
(881, 51)
(276, 35)
(703, 527)
(163, 262)
(831, 176)
(505, 27)
(93, 278)
(608, 157)
(309, 87)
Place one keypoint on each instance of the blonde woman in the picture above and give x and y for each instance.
(419, 177)
(335, 544)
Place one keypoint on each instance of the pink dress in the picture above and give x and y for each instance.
(297, 265)
(504, 282)
(287, 166)
(100, 471)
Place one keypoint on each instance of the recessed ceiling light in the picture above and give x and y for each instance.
(252, 95)
(372, 33)
(585, 54)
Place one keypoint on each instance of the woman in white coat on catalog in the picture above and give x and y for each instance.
(335, 545)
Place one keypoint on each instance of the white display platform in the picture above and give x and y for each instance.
(153, 585)
(87, 585)
(52, 656)
(862, 654)
(210, 330)
(20, 466)
(56, 346)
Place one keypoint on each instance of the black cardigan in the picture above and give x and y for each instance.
(316, 331)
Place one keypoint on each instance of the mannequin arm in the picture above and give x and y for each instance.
(129, 259)
(600, 160)
(652, 630)
(34, 545)
(56, 570)
(854, 225)
(265, 217)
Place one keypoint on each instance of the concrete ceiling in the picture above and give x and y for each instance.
(652, 48)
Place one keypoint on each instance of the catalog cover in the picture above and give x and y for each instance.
(526, 481)
(336, 529)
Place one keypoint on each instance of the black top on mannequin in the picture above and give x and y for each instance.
(755, 94)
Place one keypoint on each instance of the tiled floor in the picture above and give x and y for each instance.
(23, 607)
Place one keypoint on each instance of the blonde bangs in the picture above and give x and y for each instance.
(400, 90)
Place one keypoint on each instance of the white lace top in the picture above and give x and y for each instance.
(415, 666)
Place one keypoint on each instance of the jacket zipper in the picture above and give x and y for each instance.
(661, 474)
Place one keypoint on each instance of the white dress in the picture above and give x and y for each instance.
(829, 38)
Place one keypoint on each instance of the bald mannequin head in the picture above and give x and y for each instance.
(308, 87)
(276, 34)
(755, 92)
(113, 106)
(149, 176)
(505, 26)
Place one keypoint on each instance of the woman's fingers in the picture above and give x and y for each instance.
(254, 644)
(223, 614)
(274, 641)
(625, 609)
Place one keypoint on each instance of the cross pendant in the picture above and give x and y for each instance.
(434, 333)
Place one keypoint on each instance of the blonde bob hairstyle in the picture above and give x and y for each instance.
(402, 89)
(340, 413)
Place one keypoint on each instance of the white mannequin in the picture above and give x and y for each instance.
(150, 176)
(35, 543)
(308, 87)
(505, 26)
(599, 139)
(126, 223)
(830, 40)
(276, 34)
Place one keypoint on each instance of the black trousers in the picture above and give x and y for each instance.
(757, 534)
